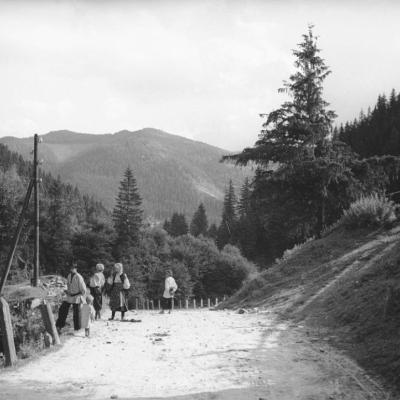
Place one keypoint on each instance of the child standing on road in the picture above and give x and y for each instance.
(88, 314)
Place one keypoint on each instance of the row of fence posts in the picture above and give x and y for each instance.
(7, 336)
(186, 304)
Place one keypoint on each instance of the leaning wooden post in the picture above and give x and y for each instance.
(187, 304)
(159, 304)
(216, 301)
(48, 321)
(7, 335)
(209, 303)
(201, 303)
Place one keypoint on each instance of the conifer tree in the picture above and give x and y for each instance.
(199, 223)
(295, 130)
(244, 201)
(127, 214)
(213, 231)
(178, 225)
(228, 226)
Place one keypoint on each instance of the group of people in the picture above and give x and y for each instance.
(87, 304)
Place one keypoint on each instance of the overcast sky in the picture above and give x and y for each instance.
(200, 69)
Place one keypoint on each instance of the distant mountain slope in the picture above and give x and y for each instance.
(173, 173)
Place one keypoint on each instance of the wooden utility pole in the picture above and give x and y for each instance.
(35, 281)
(16, 237)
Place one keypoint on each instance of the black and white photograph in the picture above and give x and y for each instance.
(199, 200)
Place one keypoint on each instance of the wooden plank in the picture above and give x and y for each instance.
(48, 321)
(7, 334)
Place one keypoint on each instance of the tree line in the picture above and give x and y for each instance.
(75, 228)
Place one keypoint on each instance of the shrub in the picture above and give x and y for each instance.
(369, 211)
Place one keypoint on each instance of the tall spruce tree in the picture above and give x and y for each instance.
(294, 131)
(301, 181)
(199, 223)
(127, 214)
(247, 221)
(227, 229)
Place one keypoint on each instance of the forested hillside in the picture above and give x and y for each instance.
(66, 214)
(173, 173)
(74, 228)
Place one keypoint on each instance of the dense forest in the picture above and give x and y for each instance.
(308, 171)
(77, 229)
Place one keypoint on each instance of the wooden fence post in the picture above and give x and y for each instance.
(159, 304)
(147, 304)
(201, 303)
(187, 304)
(194, 303)
(180, 303)
(152, 304)
(216, 301)
(137, 304)
(209, 303)
(7, 335)
(173, 303)
(48, 321)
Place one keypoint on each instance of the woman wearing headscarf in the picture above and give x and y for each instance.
(118, 284)
(96, 285)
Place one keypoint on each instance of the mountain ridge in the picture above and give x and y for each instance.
(173, 173)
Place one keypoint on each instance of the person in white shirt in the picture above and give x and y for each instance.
(170, 287)
(118, 284)
(76, 293)
(96, 285)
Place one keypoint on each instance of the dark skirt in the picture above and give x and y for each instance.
(97, 298)
(166, 303)
(117, 293)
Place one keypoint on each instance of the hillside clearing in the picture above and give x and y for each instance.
(196, 355)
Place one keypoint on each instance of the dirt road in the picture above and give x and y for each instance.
(190, 355)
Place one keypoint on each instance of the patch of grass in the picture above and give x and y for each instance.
(369, 211)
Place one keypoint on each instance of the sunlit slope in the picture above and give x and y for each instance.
(345, 287)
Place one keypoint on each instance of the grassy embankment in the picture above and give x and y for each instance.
(344, 287)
